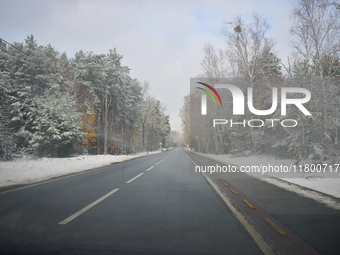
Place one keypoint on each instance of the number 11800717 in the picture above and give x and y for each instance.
(318, 168)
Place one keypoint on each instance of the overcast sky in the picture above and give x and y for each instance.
(161, 41)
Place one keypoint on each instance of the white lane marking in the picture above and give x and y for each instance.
(157, 163)
(134, 178)
(265, 244)
(149, 168)
(75, 215)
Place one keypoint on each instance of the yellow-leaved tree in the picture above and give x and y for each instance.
(90, 128)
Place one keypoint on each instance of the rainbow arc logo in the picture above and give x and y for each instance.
(204, 97)
(207, 91)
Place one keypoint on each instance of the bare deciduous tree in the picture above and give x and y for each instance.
(245, 44)
(317, 28)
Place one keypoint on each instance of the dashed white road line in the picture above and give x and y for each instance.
(150, 168)
(75, 215)
(134, 178)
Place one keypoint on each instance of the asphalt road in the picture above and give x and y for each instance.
(159, 205)
(311, 227)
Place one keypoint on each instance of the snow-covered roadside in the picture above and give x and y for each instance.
(329, 186)
(29, 171)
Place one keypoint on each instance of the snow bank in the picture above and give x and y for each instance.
(318, 182)
(29, 171)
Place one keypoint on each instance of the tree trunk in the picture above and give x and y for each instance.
(105, 125)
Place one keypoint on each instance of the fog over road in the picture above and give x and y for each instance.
(159, 204)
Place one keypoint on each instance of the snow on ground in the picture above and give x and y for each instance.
(29, 171)
(295, 182)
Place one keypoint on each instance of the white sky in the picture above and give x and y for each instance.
(161, 41)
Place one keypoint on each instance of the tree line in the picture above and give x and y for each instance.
(55, 106)
(249, 60)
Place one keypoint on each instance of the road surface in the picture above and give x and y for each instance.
(159, 205)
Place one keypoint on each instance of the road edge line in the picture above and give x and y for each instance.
(326, 199)
(259, 238)
(266, 245)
